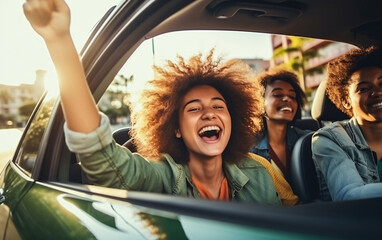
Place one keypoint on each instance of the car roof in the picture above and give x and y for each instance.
(125, 26)
(351, 21)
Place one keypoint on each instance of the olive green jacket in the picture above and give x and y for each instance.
(111, 165)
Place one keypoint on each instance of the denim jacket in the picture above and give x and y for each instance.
(111, 165)
(292, 135)
(346, 166)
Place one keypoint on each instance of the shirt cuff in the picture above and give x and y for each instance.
(88, 143)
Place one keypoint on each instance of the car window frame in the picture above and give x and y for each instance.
(24, 135)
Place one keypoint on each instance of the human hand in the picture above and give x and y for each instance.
(49, 18)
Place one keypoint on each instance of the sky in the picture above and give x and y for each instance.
(22, 51)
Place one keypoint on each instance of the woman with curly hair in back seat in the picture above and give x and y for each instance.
(348, 154)
(283, 100)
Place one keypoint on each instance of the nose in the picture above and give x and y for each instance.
(376, 91)
(287, 99)
(208, 114)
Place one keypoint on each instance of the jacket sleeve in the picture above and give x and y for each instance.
(338, 168)
(111, 165)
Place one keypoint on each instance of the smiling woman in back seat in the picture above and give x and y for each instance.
(283, 99)
(197, 119)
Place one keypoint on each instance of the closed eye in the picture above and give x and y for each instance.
(194, 109)
(218, 107)
(363, 89)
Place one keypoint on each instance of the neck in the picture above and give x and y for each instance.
(372, 131)
(208, 170)
(276, 132)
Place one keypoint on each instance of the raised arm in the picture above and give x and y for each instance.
(51, 20)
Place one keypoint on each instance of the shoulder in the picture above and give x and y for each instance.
(335, 132)
(251, 161)
(332, 128)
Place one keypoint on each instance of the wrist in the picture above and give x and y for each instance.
(58, 39)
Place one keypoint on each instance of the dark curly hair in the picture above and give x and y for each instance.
(279, 73)
(155, 124)
(341, 69)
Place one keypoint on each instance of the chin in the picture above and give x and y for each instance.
(212, 153)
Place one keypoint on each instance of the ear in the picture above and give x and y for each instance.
(178, 134)
(346, 104)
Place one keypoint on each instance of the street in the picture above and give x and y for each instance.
(9, 139)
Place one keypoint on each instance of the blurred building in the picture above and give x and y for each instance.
(258, 65)
(310, 57)
(13, 97)
(314, 67)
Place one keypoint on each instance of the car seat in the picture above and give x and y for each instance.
(121, 135)
(323, 109)
(307, 123)
(304, 180)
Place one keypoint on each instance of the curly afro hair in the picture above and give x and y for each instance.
(155, 124)
(341, 69)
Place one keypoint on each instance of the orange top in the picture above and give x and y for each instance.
(223, 194)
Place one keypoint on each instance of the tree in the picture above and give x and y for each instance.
(26, 109)
(118, 98)
(297, 56)
(5, 96)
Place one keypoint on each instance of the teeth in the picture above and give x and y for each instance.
(208, 128)
(286, 109)
(377, 105)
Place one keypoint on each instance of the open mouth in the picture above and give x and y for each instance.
(286, 109)
(210, 133)
(377, 105)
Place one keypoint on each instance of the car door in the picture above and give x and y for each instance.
(17, 177)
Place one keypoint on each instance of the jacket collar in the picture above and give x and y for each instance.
(355, 133)
(235, 177)
(292, 135)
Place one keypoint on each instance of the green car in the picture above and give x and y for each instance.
(45, 195)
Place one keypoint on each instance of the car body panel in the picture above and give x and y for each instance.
(77, 215)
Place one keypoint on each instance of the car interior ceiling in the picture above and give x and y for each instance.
(285, 17)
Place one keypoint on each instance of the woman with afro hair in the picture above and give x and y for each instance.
(195, 122)
(348, 154)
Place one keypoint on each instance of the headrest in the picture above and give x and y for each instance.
(323, 109)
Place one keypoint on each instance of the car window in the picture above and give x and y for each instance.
(254, 48)
(32, 139)
(259, 50)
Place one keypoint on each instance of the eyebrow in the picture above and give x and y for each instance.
(280, 89)
(365, 82)
(198, 100)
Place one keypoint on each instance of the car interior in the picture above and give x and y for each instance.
(114, 43)
(270, 16)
